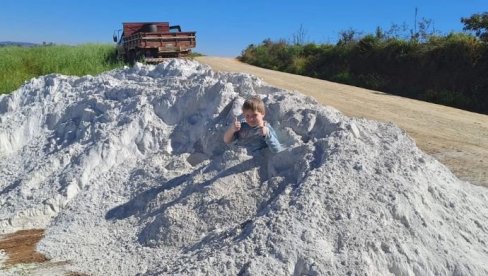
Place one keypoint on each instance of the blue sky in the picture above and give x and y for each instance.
(224, 28)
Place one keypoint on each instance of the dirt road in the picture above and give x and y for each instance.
(457, 138)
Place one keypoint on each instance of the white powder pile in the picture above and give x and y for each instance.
(128, 173)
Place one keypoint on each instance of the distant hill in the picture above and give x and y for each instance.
(14, 43)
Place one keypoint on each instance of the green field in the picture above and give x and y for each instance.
(19, 64)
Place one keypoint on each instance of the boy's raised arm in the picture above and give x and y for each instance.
(229, 133)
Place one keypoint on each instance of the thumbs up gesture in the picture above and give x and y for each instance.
(237, 125)
(263, 129)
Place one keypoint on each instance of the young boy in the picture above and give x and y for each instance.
(254, 134)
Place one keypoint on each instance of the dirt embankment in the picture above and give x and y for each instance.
(457, 138)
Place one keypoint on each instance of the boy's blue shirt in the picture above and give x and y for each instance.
(250, 138)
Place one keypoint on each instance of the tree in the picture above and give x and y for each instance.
(299, 36)
(348, 37)
(478, 23)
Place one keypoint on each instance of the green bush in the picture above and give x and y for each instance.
(450, 70)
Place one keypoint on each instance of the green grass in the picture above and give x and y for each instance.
(18, 64)
(196, 54)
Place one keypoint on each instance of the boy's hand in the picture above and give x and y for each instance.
(237, 125)
(229, 133)
(263, 129)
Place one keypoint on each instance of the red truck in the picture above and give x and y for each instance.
(152, 42)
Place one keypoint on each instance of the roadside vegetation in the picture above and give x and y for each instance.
(196, 54)
(447, 69)
(18, 64)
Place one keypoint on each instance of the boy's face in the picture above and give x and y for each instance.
(253, 118)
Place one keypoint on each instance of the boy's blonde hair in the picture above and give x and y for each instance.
(254, 104)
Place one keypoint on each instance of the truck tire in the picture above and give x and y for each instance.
(131, 57)
(140, 56)
(150, 28)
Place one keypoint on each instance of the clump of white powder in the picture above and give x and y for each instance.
(129, 174)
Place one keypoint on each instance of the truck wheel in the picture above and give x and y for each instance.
(150, 28)
(119, 56)
(131, 57)
(140, 57)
